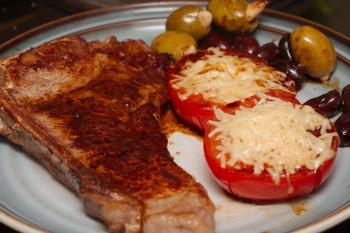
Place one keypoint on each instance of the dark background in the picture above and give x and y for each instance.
(17, 16)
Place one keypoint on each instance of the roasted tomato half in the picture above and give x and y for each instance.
(270, 151)
(218, 78)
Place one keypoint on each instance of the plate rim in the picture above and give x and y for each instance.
(19, 224)
(89, 13)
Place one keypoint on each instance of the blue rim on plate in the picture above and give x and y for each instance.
(32, 200)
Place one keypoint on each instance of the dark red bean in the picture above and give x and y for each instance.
(268, 52)
(328, 104)
(284, 47)
(214, 39)
(342, 124)
(346, 98)
(245, 41)
(295, 71)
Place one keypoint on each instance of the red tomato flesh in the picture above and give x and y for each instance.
(195, 110)
(244, 184)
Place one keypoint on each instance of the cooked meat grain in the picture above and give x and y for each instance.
(89, 111)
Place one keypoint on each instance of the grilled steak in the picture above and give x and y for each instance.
(90, 112)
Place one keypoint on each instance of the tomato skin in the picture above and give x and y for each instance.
(196, 111)
(192, 110)
(245, 184)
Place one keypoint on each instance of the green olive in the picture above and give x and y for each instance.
(175, 43)
(311, 48)
(190, 19)
(231, 15)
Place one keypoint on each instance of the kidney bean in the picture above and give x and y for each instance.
(328, 104)
(292, 69)
(342, 124)
(346, 98)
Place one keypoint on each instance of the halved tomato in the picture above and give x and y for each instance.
(220, 78)
(242, 179)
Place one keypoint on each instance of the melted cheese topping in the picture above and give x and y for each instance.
(221, 78)
(275, 136)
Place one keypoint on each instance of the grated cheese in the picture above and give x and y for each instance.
(221, 78)
(273, 133)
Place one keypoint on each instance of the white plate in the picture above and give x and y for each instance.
(32, 200)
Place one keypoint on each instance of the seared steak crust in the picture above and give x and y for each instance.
(90, 111)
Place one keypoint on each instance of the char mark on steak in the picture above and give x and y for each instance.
(89, 111)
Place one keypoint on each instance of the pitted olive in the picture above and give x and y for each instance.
(236, 15)
(190, 19)
(311, 48)
(175, 43)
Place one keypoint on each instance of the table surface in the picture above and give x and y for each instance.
(17, 16)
